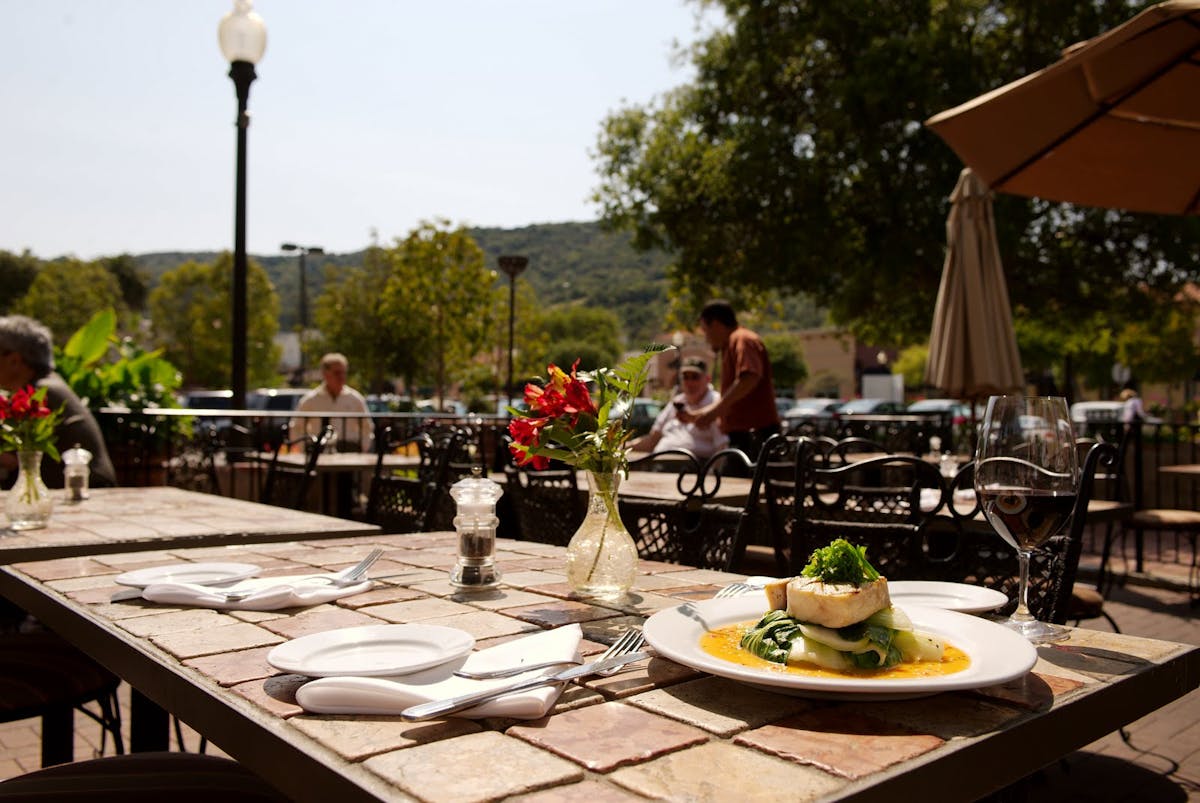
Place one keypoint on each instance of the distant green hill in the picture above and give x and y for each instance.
(567, 262)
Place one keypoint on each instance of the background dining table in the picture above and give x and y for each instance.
(158, 517)
(659, 730)
(340, 473)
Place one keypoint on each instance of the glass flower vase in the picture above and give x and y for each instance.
(602, 557)
(28, 504)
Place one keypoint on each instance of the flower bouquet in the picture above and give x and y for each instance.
(27, 427)
(587, 428)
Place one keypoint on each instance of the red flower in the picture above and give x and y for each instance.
(27, 422)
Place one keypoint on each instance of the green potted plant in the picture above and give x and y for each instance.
(106, 370)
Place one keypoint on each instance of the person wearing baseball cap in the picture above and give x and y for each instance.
(671, 432)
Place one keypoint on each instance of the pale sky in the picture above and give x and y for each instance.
(367, 115)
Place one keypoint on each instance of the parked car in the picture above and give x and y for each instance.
(783, 404)
(1096, 412)
(816, 412)
(641, 418)
(959, 411)
(275, 398)
(870, 407)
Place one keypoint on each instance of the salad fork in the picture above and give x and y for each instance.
(346, 577)
(356, 572)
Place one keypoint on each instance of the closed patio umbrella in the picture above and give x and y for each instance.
(1113, 124)
(972, 348)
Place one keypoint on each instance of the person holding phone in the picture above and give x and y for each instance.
(670, 431)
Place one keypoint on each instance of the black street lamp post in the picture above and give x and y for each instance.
(513, 266)
(243, 38)
(303, 251)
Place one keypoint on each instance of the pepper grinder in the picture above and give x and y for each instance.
(76, 472)
(475, 523)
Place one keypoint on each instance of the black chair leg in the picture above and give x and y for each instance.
(58, 736)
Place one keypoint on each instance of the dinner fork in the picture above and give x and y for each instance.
(736, 590)
(629, 641)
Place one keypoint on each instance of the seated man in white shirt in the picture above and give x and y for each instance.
(333, 395)
(668, 432)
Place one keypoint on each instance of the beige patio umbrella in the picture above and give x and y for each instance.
(972, 348)
(1114, 123)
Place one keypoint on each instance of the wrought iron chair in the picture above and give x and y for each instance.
(194, 466)
(881, 502)
(548, 504)
(984, 558)
(399, 502)
(142, 778)
(288, 486)
(41, 675)
(457, 450)
(694, 530)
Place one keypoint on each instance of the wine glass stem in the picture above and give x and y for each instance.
(1022, 613)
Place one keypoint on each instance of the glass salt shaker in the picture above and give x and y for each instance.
(475, 523)
(76, 472)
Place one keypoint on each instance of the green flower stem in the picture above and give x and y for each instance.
(606, 489)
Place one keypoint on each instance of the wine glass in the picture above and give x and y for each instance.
(1027, 477)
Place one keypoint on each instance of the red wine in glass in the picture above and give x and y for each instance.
(1027, 518)
(1027, 479)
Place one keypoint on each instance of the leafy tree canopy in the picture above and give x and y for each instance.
(66, 293)
(798, 160)
(17, 272)
(191, 309)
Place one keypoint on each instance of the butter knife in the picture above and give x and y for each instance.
(437, 708)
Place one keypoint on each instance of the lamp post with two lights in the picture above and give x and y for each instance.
(512, 266)
(304, 251)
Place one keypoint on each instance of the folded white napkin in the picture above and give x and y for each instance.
(269, 593)
(361, 695)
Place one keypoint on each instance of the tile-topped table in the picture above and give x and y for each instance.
(658, 730)
(133, 519)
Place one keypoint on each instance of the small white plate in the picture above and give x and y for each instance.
(371, 650)
(204, 574)
(997, 654)
(959, 597)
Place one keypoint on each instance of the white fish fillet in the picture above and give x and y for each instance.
(834, 605)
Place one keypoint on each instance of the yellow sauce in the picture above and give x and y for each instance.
(724, 642)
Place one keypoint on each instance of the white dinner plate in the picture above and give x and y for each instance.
(371, 650)
(997, 654)
(204, 574)
(959, 597)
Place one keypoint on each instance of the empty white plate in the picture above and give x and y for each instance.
(959, 597)
(204, 574)
(371, 650)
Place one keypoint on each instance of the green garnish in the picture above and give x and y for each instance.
(841, 562)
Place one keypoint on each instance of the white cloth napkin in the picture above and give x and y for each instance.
(360, 695)
(270, 593)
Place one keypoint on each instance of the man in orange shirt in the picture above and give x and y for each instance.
(746, 409)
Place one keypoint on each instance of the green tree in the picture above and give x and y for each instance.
(66, 293)
(439, 299)
(191, 309)
(797, 159)
(787, 362)
(350, 314)
(589, 334)
(131, 280)
(17, 272)
(910, 363)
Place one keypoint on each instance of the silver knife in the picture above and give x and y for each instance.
(437, 708)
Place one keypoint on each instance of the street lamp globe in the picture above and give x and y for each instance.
(242, 33)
